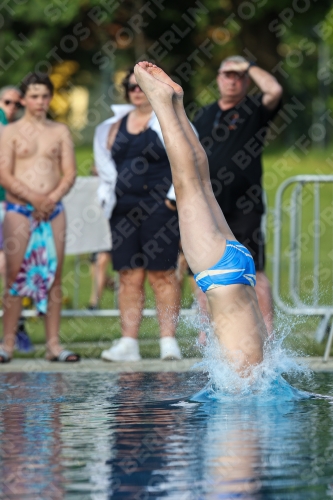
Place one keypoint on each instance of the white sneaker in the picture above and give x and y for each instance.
(170, 348)
(124, 349)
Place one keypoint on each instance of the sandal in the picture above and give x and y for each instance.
(4, 356)
(64, 356)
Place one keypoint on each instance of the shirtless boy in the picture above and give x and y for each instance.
(37, 168)
(224, 268)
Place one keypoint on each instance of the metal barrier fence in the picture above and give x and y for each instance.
(303, 269)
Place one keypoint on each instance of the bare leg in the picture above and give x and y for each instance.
(2, 266)
(103, 260)
(131, 301)
(16, 232)
(202, 240)
(52, 317)
(201, 157)
(98, 277)
(167, 293)
(93, 300)
(264, 294)
(203, 307)
(182, 268)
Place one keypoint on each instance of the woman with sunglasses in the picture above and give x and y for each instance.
(135, 175)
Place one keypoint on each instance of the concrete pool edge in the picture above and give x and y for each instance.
(146, 365)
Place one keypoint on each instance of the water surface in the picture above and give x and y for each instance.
(143, 436)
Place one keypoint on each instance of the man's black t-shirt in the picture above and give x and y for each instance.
(233, 141)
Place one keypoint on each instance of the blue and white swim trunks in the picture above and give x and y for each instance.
(235, 267)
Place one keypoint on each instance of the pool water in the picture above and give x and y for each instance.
(144, 436)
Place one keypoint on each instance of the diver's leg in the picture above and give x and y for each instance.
(201, 157)
(202, 240)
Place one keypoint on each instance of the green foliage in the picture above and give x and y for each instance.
(40, 37)
(188, 38)
(265, 28)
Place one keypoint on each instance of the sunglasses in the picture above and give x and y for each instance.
(131, 87)
(17, 104)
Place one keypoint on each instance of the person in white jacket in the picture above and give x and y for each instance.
(135, 178)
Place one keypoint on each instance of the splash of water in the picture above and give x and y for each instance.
(264, 382)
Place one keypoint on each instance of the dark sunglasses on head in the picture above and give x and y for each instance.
(132, 86)
(17, 104)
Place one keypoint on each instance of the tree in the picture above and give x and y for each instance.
(188, 38)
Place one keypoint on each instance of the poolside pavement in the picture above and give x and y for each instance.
(146, 365)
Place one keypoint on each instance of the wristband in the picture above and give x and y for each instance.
(251, 64)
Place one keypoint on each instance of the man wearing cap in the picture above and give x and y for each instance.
(232, 131)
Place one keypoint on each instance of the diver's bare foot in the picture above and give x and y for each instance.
(155, 90)
(159, 74)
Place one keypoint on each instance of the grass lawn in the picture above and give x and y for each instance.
(299, 330)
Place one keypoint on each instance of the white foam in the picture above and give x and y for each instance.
(263, 381)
